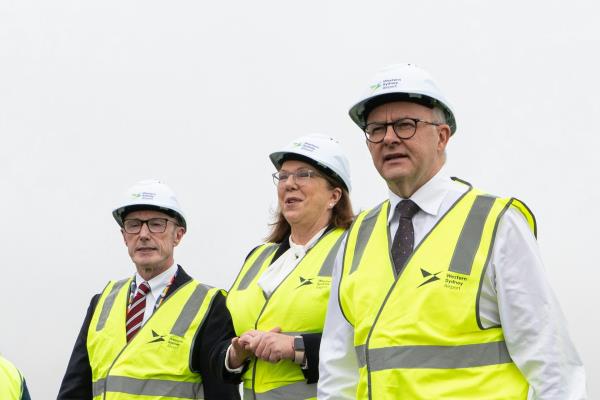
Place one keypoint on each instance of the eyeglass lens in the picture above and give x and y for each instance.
(155, 225)
(404, 128)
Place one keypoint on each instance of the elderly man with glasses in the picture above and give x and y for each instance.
(439, 292)
(152, 335)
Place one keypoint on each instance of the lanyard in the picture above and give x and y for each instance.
(133, 287)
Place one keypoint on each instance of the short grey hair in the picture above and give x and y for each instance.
(439, 115)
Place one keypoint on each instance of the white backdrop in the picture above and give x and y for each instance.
(97, 95)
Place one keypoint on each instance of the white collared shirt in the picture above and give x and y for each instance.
(157, 285)
(281, 268)
(515, 294)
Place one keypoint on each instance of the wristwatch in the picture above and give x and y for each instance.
(298, 350)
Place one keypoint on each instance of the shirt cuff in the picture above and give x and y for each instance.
(233, 370)
(304, 364)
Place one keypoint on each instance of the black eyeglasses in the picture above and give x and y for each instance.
(155, 225)
(301, 177)
(404, 128)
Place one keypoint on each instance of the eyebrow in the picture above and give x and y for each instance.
(299, 169)
(391, 119)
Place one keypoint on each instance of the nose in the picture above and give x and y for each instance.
(144, 230)
(290, 182)
(390, 136)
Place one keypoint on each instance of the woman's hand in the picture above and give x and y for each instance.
(237, 353)
(271, 346)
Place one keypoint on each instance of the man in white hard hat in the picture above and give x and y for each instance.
(154, 334)
(440, 291)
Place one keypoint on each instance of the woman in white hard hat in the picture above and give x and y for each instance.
(279, 298)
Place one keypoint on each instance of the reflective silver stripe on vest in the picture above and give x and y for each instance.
(470, 236)
(253, 270)
(327, 267)
(149, 387)
(294, 391)
(435, 357)
(361, 355)
(108, 303)
(190, 310)
(364, 234)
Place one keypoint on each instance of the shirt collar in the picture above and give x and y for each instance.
(160, 281)
(300, 249)
(428, 197)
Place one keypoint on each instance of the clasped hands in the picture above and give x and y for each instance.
(272, 346)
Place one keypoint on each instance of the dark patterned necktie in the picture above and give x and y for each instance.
(404, 240)
(135, 314)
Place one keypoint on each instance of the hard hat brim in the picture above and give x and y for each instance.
(120, 213)
(279, 157)
(361, 110)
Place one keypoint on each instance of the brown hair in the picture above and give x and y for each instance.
(341, 215)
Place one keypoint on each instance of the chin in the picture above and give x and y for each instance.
(394, 175)
(292, 217)
(145, 263)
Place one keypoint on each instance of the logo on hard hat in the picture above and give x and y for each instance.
(386, 84)
(390, 83)
(306, 146)
(143, 196)
(375, 86)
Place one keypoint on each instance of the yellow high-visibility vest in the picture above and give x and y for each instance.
(419, 336)
(297, 306)
(11, 381)
(156, 363)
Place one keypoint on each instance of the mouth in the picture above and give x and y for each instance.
(292, 201)
(145, 249)
(394, 157)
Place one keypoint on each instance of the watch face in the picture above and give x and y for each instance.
(298, 343)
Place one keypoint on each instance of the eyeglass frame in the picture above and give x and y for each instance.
(311, 173)
(392, 123)
(146, 222)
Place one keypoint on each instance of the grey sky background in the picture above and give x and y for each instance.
(95, 96)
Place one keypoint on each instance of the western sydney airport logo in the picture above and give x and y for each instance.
(386, 84)
(429, 277)
(452, 281)
(305, 281)
(319, 282)
(170, 340)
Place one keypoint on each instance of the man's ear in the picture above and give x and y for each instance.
(179, 234)
(444, 134)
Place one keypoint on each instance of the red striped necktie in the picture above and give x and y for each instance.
(135, 313)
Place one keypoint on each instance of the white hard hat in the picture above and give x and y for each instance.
(323, 150)
(149, 194)
(401, 82)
